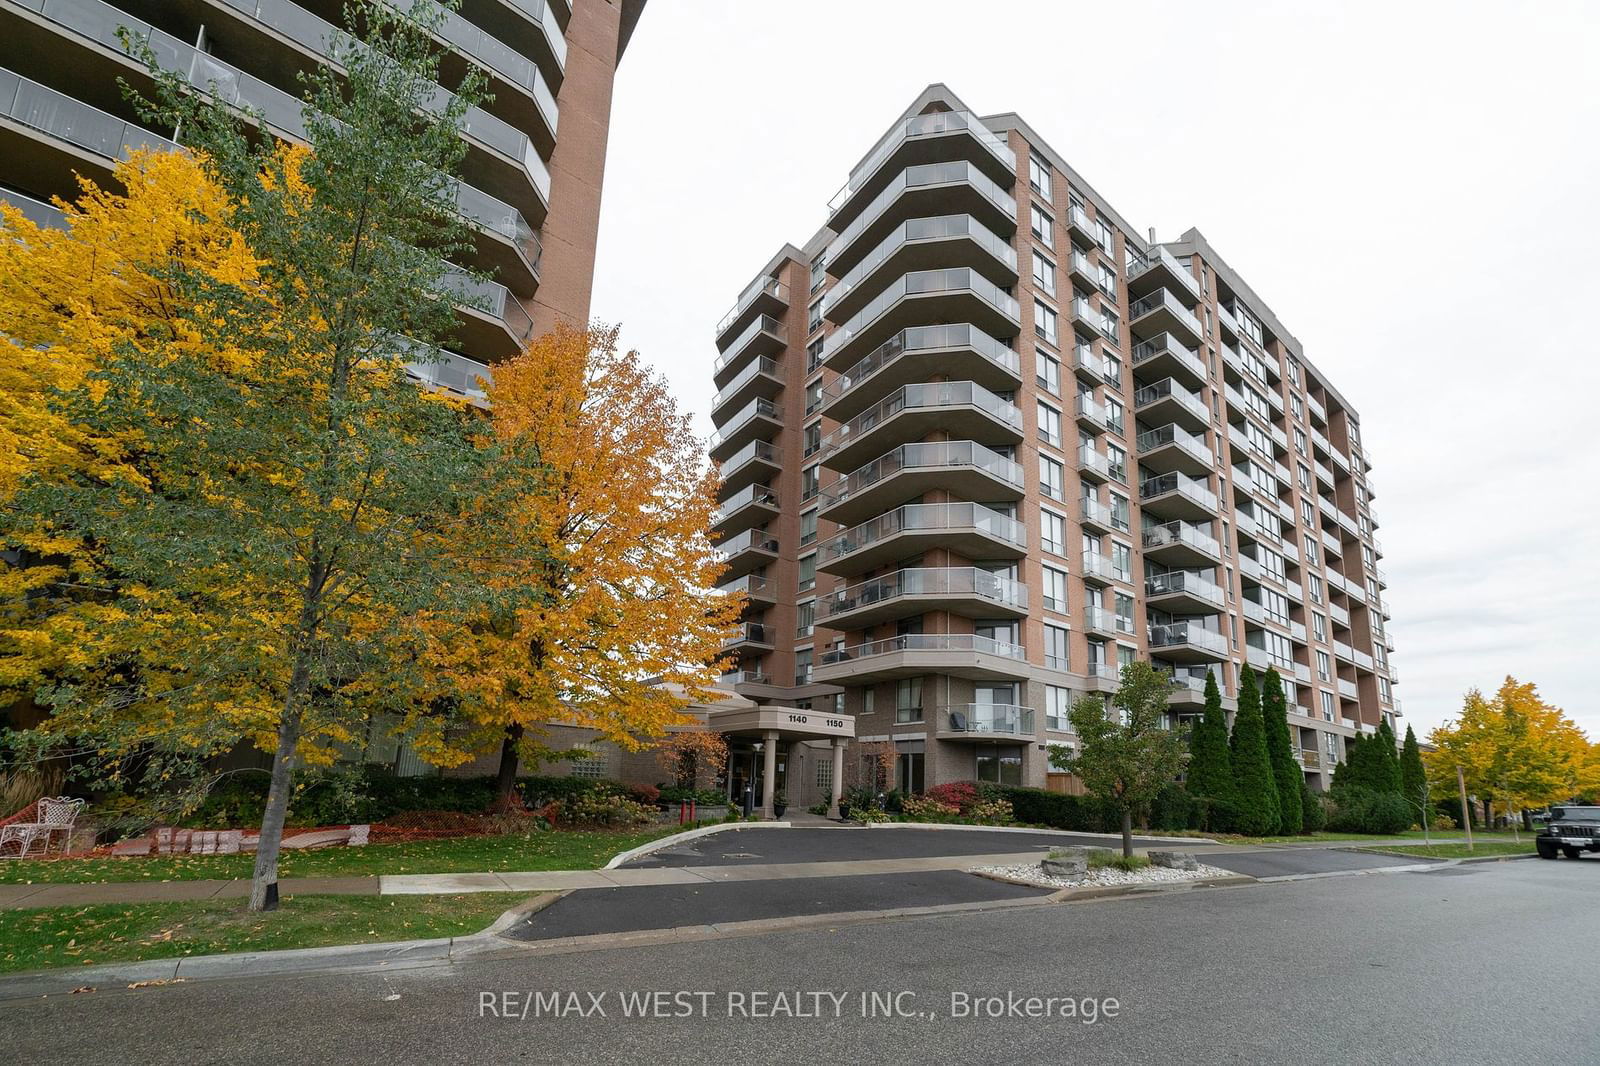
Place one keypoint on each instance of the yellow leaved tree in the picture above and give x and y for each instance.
(626, 629)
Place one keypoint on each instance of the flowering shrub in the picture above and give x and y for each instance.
(605, 810)
(649, 795)
(997, 811)
(958, 794)
(870, 814)
(927, 807)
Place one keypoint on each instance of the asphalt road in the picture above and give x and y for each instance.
(1462, 965)
(1285, 862)
(613, 910)
(842, 845)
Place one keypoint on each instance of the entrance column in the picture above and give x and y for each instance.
(837, 787)
(769, 771)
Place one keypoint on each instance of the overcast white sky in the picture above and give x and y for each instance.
(1412, 188)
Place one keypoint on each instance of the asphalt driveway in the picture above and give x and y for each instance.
(1289, 862)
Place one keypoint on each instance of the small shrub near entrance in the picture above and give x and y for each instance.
(1099, 860)
(926, 808)
(961, 795)
(991, 812)
(604, 811)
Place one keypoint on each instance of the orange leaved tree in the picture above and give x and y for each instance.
(625, 629)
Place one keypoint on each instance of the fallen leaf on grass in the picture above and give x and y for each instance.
(157, 982)
(81, 988)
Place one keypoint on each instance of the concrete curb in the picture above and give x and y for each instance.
(688, 834)
(394, 955)
(961, 827)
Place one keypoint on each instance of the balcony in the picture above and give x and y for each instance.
(1088, 365)
(928, 138)
(1166, 355)
(922, 244)
(762, 338)
(1179, 544)
(759, 419)
(1177, 495)
(1102, 622)
(735, 678)
(969, 530)
(763, 296)
(958, 294)
(1185, 642)
(493, 323)
(1188, 692)
(1101, 517)
(750, 636)
(962, 408)
(984, 723)
(1081, 226)
(1173, 448)
(1092, 414)
(962, 468)
(747, 552)
(758, 591)
(1094, 466)
(760, 377)
(962, 590)
(1347, 690)
(1168, 401)
(752, 506)
(1163, 312)
(922, 353)
(756, 461)
(38, 212)
(1081, 266)
(1180, 592)
(1097, 569)
(450, 371)
(957, 654)
(926, 191)
(1158, 268)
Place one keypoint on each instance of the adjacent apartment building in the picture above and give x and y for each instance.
(530, 185)
(984, 443)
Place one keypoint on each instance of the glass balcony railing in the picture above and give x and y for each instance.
(921, 283)
(1193, 634)
(762, 285)
(1177, 581)
(1089, 408)
(758, 495)
(764, 365)
(920, 177)
(922, 126)
(926, 517)
(930, 396)
(925, 642)
(1166, 389)
(1192, 489)
(923, 339)
(932, 455)
(1167, 344)
(762, 324)
(1094, 512)
(757, 408)
(755, 450)
(539, 11)
(499, 57)
(492, 299)
(1093, 461)
(751, 633)
(43, 109)
(752, 585)
(926, 581)
(38, 212)
(451, 371)
(1173, 533)
(1155, 256)
(1163, 300)
(745, 677)
(1003, 719)
(749, 540)
(920, 229)
(1171, 434)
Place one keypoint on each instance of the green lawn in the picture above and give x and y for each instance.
(51, 937)
(558, 850)
(1459, 851)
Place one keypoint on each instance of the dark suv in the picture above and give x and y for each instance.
(1572, 831)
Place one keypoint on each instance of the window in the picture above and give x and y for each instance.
(1049, 425)
(1331, 740)
(1043, 227)
(825, 776)
(1314, 586)
(1121, 561)
(1051, 478)
(1039, 176)
(1055, 647)
(1324, 667)
(813, 439)
(1319, 626)
(1107, 277)
(867, 699)
(814, 355)
(808, 527)
(1123, 604)
(1111, 325)
(1298, 406)
(1002, 765)
(1117, 462)
(1052, 532)
(1300, 440)
(908, 700)
(1308, 512)
(1049, 373)
(1120, 511)
(1045, 323)
(814, 317)
(1311, 551)
(1055, 590)
(808, 572)
(802, 666)
(592, 768)
(809, 484)
(909, 766)
(805, 617)
(1107, 239)
(1305, 477)
(1114, 415)
(1113, 367)
(1044, 274)
(813, 396)
(1057, 702)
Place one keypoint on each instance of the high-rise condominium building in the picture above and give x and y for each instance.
(984, 444)
(530, 185)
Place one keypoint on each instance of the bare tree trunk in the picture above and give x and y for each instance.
(264, 880)
(1127, 834)
(505, 785)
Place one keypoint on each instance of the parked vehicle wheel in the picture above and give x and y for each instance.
(1546, 851)
(1571, 853)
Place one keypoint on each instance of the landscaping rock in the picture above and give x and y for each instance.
(1065, 867)
(1174, 860)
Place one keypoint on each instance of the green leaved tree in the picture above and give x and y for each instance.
(1209, 773)
(1257, 813)
(302, 501)
(1282, 751)
(1127, 755)
(1413, 775)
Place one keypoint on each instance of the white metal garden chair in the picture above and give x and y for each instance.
(53, 815)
